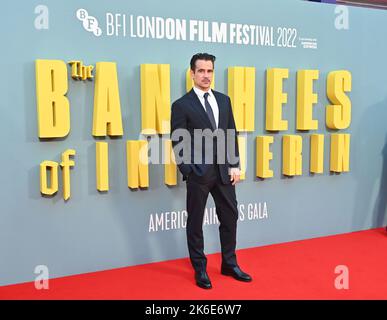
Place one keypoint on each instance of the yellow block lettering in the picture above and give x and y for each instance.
(53, 107)
(155, 98)
(241, 89)
(338, 114)
(275, 98)
(107, 118)
(317, 153)
(102, 166)
(292, 155)
(66, 164)
(242, 156)
(53, 187)
(170, 168)
(137, 163)
(305, 99)
(340, 145)
(264, 156)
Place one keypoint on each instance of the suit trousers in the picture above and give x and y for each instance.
(198, 188)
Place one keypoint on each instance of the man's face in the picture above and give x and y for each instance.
(202, 76)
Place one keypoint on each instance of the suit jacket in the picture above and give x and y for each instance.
(188, 113)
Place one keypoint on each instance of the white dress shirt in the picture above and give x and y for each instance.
(211, 100)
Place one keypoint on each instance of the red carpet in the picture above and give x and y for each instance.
(294, 270)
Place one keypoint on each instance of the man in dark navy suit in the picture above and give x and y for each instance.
(205, 144)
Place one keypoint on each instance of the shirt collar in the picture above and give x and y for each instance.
(200, 93)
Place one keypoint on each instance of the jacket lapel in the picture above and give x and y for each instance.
(197, 105)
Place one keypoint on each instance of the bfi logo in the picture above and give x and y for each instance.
(89, 23)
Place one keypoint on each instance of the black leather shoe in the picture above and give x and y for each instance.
(236, 273)
(202, 280)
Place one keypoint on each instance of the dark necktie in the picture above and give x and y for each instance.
(210, 114)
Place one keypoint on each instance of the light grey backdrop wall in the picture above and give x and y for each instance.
(96, 231)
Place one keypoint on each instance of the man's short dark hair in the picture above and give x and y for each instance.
(202, 56)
